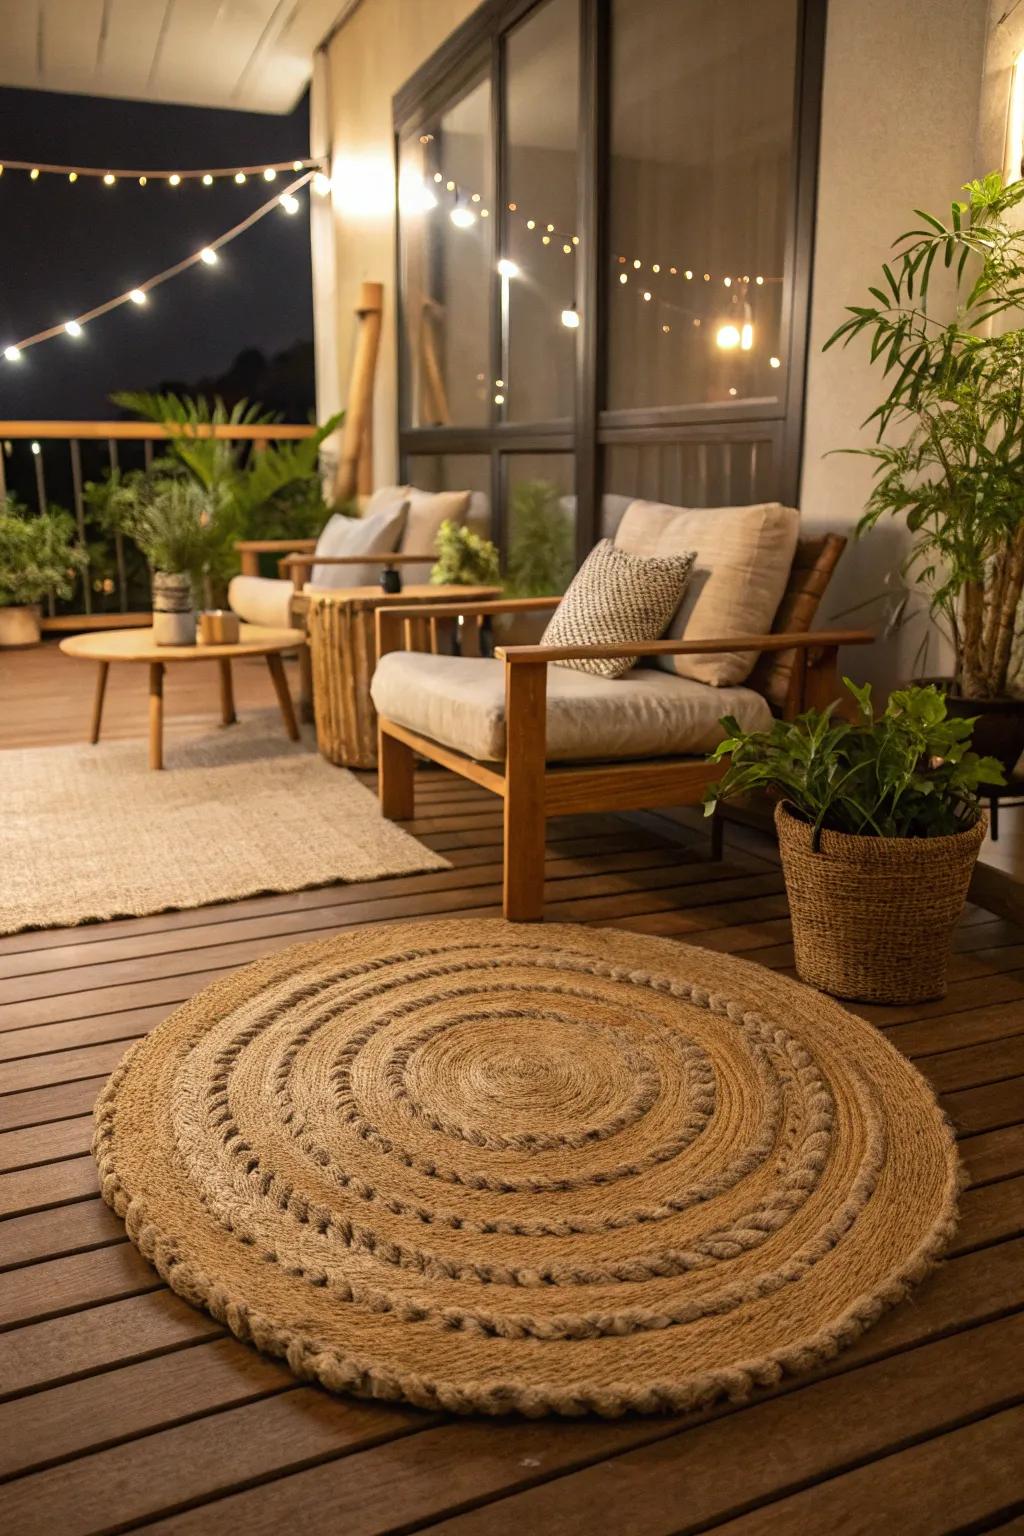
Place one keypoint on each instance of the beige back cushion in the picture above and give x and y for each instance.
(375, 533)
(427, 511)
(743, 560)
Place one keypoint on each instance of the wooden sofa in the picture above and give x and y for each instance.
(523, 747)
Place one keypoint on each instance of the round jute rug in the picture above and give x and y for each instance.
(555, 1169)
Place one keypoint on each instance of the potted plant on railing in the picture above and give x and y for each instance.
(37, 556)
(185, 532)
(950, 449)
(879, 825)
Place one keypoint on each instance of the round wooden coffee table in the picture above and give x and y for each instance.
(137, 645)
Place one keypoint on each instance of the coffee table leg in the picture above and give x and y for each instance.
(156, 714)
(284, 698)
(97, 703)
(227, 693)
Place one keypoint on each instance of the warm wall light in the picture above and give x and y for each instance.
(727, 337)
(1013, 155)
(571, 319)
(462, 218)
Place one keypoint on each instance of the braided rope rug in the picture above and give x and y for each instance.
(556, 1169)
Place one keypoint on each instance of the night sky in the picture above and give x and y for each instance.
(65, 248)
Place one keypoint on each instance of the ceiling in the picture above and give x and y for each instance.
(252, 55)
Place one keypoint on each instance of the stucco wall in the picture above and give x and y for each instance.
(899, 129)
(373, 53)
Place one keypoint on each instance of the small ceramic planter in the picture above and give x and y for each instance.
(873, 917)
(19, 626)
(174, 614)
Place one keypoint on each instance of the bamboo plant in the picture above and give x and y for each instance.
(949, 451)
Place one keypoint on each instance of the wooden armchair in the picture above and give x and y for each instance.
(531, 786)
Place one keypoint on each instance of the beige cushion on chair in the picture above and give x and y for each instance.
(460, 701)
(744, 555)
(427, 511)
(376, 533)
(261, 600)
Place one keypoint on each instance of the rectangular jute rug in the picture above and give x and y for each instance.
(88, 833)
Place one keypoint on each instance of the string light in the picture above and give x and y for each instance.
(499, 399)
(623, 278)
(571, 319)
(36, 449)
(462, 218)
(207, 175)
(775, 362)
(647, 295)
(727, 337)
(321, 184)
(140, 295)
(508, 268)
(289, 203)
(240, 177)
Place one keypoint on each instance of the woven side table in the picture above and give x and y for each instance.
(343, 651)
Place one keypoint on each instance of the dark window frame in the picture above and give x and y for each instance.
(479, 43)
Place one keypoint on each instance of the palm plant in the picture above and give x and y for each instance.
(950, 431)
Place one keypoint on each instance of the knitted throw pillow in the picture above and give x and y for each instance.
(617, 597)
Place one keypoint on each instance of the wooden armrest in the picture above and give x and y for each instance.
(273, 546)
(807, 641)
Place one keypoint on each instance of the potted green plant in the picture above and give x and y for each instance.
(949, 456)
(184, 531)
(464, 559)
(541, 556)
(879, 825)
(37, 556)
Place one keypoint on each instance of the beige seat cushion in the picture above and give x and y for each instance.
(427, 511)
(261, 600)
(744, 555)
(375, 533)
(460, 701)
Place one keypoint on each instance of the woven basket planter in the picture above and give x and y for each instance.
(873, 916)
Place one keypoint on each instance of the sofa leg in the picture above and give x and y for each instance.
(717, 837)
(396, 769)
(523, 885)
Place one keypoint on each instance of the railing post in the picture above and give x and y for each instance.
(122, 574)
(76, 483)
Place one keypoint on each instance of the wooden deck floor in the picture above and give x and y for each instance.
(122, 1408)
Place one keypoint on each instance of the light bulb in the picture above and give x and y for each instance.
(545, 239)
(12, 354)
(567, 249)
(438, 177)
(36, 449)
(571, 319)
(759, 281)
(707, 277)
(727, 337)
(746, 336)
(623, 278)
(462, 218)
(475, 198)
(270, 174)
(637, 265)
(289, 203)
(485, 213)
(73, 328)
(174, 179)
(507, 268)
(33, 174)
(666, 329)
(137, 296)
(647, 296)
(209, 256)
(499, 399)
(732, 390)
(207, 180)
(109, 179)
(674, 271)
(727, 281)
(449, 186)
(240, 177)
(551, 229)
(296, 165)
(143, 180)
(512, 207)
(72, 176)
(321, 184)
(775, 362)
(531, 223)
(688, 275)
(655, 268)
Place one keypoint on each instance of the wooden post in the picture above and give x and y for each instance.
(227, 692)
(396, 777)
(359, 410)
(525, 812)
(156, 714)
(97, 703)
